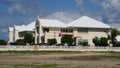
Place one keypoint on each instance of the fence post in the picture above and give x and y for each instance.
(35, 47)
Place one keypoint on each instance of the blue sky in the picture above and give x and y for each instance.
(18, 12)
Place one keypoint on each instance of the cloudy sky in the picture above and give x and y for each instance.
(18, 12)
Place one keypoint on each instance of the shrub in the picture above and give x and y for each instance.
(103, 41)
(28, 38)
(84, 43)
(20, 42)
(100, 41)
(52, 41)
(96, 41)
(3, 42)
(67, 39)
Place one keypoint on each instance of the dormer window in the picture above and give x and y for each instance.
(82, 30)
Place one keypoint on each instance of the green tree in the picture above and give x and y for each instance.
(103, 41)
(3, 42)
(96, 41)
(114, 32)
(100, 41)
(20, 42)
(52, 41)
(29, 38)
(67, 39)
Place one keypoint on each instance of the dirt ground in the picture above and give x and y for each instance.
(70, 60)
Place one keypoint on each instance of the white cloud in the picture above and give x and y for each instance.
(110, 11)
(65, 16)
(111, 4)
(115, 25)
(79, 4)
(27, 8)
(10, 10)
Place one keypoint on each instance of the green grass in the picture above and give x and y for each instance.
(39, 52)
(49, 52)
(92, 57)
(31, 66)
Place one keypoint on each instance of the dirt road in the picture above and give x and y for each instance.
(86, 59)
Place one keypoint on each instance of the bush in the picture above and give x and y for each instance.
(3, 42)
(52, 41)
(96, 41)
(100, 41)
(84, 43)
(103, 41)
(28, 38)
(67, 39)
(20, 42)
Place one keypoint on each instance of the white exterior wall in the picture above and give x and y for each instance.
(53, 33)
(91, 34)
(10, 36)
(16, 35)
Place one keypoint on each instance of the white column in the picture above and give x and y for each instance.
(45, 37)
(36, 37)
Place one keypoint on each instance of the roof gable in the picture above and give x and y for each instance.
(52, 23)
(83, 22)
(10, 28)
(87, 22)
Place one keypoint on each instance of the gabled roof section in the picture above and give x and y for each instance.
(52, 23)
(44, 23)
(20, 28)
(31, 26)
(10, 28)
(82, 22)
(87, 22)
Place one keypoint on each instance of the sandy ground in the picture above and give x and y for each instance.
(58, 59)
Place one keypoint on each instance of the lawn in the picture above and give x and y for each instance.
(59, 59)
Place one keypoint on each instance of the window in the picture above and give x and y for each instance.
(45, 30)
(71, 30)
(67, 30)
(83, 30)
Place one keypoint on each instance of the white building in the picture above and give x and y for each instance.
(82, 29)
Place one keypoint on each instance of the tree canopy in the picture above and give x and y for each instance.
(52, 41)
(20, 42)
(67, 39)
(100, 41)
(114, 32)
(3, 42)
(29, 38)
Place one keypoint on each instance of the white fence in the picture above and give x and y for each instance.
(58, 48)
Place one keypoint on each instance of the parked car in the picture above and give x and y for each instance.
(44, 44)
(59, 44)
(12, 43)
(116, 44)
